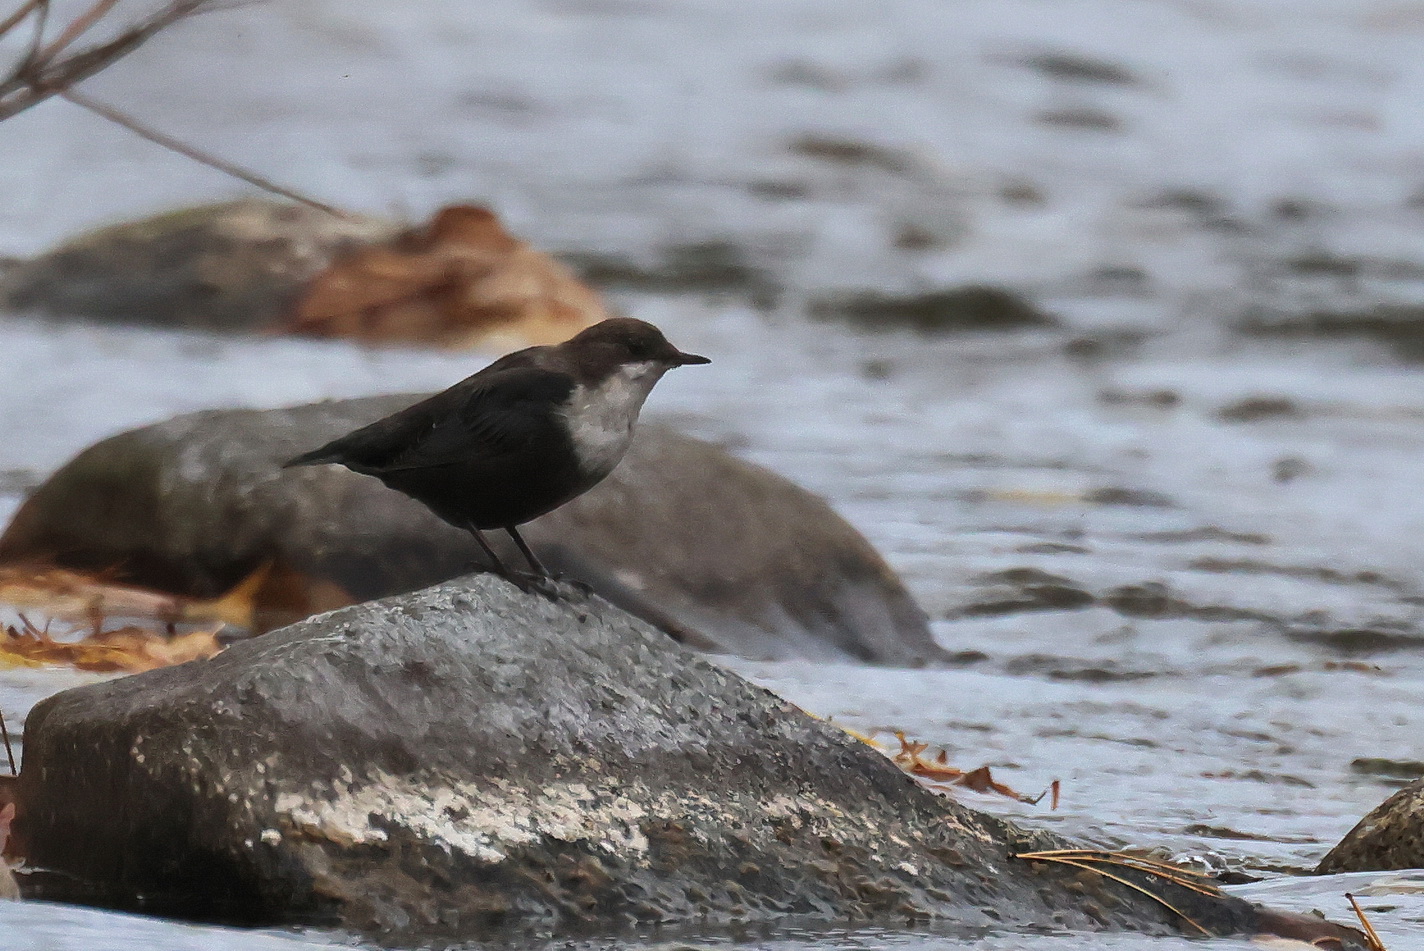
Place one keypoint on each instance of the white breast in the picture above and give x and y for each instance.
(600, 418)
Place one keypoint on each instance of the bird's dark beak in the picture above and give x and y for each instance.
(688, 359)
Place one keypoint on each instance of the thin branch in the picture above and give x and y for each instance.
(72, 32)
(42, 73)
(27, 86)
(212, 161)
(8, 24)
(36, 41)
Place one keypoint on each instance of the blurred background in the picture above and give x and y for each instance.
(1100, 318)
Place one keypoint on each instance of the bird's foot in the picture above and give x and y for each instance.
(556, 588)
(542, 585)
(574, 585)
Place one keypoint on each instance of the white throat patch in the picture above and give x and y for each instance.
(600, 418)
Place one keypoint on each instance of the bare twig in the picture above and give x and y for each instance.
(72, 32)
(37, 77)
(212, 161)
(22, 11)
(51, 69)
(37, 40)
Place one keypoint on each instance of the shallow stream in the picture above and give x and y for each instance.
(1182, 564)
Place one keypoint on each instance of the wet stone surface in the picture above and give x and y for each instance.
(470, 760)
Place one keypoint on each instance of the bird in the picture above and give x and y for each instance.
(530, 432)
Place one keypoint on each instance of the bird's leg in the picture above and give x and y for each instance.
(539, 581)
(544, 581)
(538, 566)
(555, 589)
(499, 566)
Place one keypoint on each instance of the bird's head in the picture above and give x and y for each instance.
(627, 346)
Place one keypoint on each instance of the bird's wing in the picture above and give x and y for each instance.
(497, 411)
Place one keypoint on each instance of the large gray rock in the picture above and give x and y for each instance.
(724, 555)
(231, 266)
(1390, 837)
(448, 763)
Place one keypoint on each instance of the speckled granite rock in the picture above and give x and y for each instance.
(469, 758)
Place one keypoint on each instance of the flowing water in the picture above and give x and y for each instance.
(1181, 564)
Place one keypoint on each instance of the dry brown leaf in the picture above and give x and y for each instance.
(453, 283)
(272, 596)
(150, 628)
(936, 772)
(76, 596)
(71, 595)
(127, 649)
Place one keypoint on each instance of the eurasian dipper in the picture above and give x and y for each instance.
(526, 434)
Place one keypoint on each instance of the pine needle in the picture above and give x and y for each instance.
(1186, 878)
(1077, 859)
(1371, 936)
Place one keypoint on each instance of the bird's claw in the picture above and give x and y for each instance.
(553, 587)
(542, 585)
(582, 588)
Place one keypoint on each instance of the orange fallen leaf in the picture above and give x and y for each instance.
(127, 649)
(272, 596)
(936, 772)
(75, 596)
(458, 280)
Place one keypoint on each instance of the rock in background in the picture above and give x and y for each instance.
(725, 555)
(258, 265)
(229, 267)
(1390, 837)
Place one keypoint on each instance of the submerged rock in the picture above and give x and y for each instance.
(724, 555)
(230, 267)
(469, 758)
(1084, 118)
(1078, 68)
(1390, 837)
(939, 311)
(714, 266)
(854, 152)
(1399, 326)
